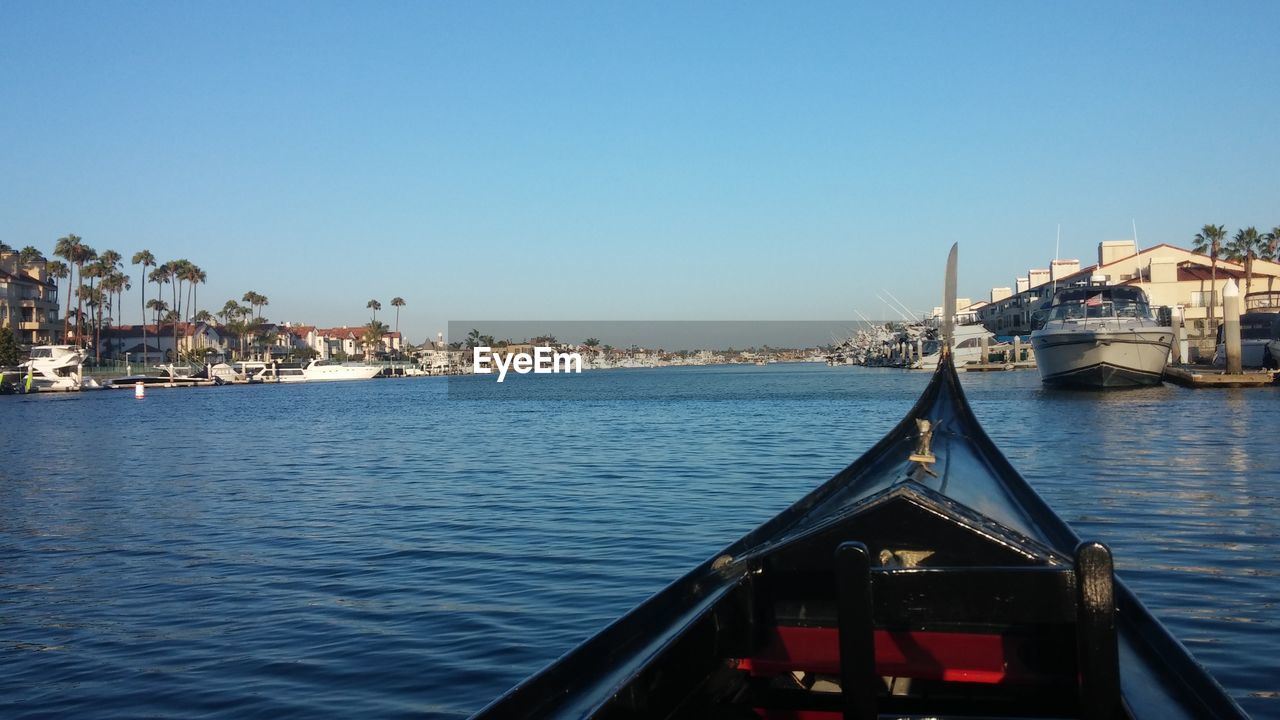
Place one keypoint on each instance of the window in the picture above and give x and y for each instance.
(1202, 298)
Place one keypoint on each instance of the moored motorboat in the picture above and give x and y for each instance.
(1101, 337)
(926, 579)
(1262, 311)
(170, 376)
(56, 368)
(318, 370)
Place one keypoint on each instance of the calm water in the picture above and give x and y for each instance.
(387, 549)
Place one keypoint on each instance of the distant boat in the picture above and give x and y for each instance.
(966, 348)
(1101, 337)
(319, 370)
(257, 371)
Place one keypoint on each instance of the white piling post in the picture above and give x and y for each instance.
(1231, 325)
(1017, 348)
(1179, 338)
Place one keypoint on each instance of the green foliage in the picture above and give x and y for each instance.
(9, 353)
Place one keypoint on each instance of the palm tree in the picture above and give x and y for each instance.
(256, 301)
(27, 256)
(99, 269)
(1209, 242)
(1244, 247)
(196, 277)
(1271, 250)
(397, 303)
(85, 256)
(146, 260)
(57, 269)
(373, 334)
(158, 308)
(88, 296)
(161, 275)
(375, 306)
(230, 309)
(68, 248)
(473, 338)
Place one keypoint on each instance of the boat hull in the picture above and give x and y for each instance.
(1102, 358)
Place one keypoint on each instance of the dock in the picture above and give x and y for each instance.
(1209, 376)
(998, 366)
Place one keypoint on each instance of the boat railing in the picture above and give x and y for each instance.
(1268, 300)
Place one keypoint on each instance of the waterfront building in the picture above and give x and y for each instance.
(28, 300)
(349, 341)
(126, 342)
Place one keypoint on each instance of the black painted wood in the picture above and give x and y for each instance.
(857, 643)
(1098, 651)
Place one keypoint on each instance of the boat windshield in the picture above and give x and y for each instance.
(1100, 309)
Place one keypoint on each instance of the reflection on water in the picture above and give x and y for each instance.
(389, 548)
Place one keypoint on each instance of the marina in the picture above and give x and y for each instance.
(596, 361)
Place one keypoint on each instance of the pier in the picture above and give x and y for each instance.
(1209, 376)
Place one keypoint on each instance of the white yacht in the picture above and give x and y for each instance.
(1101, 337)
(966, 347)
(318, 370)
(56, 368)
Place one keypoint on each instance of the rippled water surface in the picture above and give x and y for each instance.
(389, 548)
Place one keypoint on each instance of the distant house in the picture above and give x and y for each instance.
(350, 341)
(125, 342)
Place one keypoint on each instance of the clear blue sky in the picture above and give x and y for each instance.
(602, 160)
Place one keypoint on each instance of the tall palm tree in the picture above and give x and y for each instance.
(68, 248)
(397, 303)
(109, 262)
(375, 306)
(161, 275)
(1209, 242)
(98, 270)
(85, 256)
(177, 274)
(146, 260)
(194, 277)
(57, 269)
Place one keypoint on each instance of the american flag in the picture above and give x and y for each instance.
(1094, 301)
